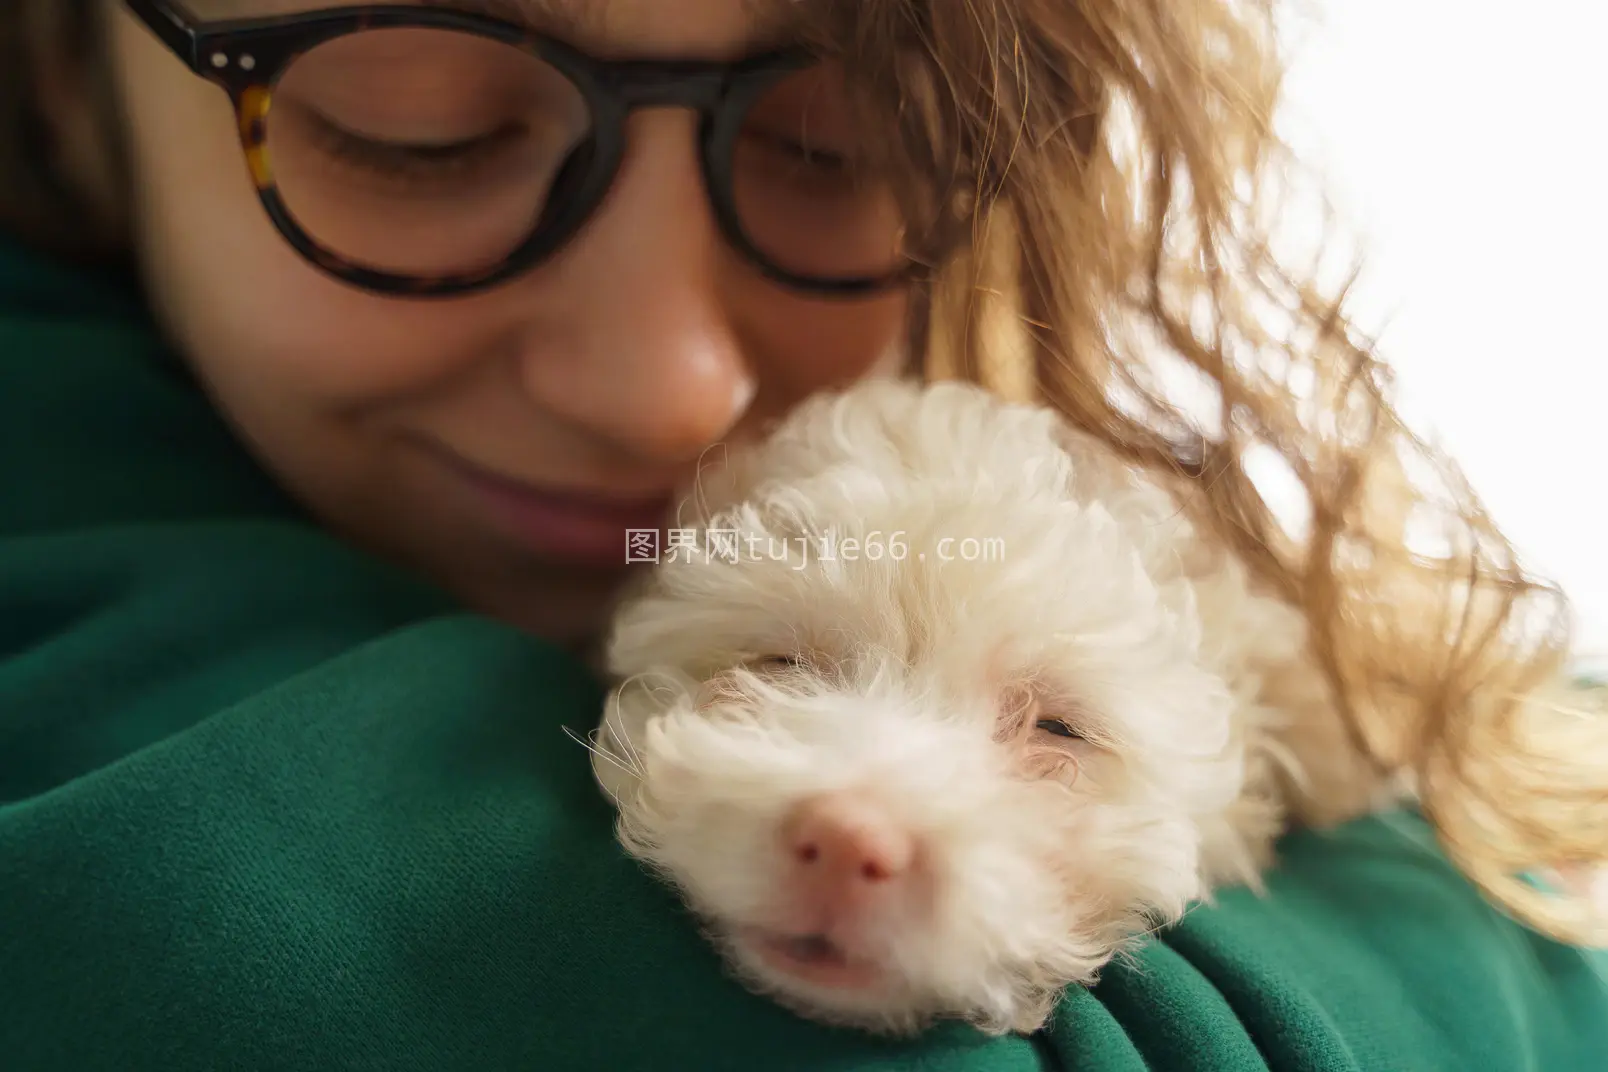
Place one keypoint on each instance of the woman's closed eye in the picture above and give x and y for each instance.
(431, 160)
(796, 152)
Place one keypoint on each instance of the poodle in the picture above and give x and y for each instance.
(932, 706)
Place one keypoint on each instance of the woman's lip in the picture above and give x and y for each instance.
(582, 526)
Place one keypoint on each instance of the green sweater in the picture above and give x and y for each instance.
(265, 804)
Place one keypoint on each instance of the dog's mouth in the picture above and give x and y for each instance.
(816, 959)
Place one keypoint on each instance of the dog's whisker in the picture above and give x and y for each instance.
(618, 727)
(600, 753)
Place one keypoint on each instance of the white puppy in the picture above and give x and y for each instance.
(948, 707)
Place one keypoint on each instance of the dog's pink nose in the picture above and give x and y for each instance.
(847, 843)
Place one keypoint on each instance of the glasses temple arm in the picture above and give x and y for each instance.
(172, 25)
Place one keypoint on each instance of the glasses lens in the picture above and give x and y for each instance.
(805, 188)
(421, 151)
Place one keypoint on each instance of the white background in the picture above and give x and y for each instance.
(1466, 141)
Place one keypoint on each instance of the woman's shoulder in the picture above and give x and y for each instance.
(388, 854)
(1369, 951)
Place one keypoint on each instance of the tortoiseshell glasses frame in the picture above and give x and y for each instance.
(246, 57)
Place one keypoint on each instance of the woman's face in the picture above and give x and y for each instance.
(500, 443)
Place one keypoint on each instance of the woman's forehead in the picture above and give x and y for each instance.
(668, 26)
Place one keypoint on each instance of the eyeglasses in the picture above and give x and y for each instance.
(428, 151)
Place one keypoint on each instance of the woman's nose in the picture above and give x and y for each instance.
(642, 352)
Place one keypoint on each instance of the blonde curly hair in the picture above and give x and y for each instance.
(1113, 175)
(1122, 180)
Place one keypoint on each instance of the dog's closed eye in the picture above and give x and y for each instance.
(723, 685)
(1024, 706)
(1029, 712)
(1059, 728)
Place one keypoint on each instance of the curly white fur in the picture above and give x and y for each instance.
(917, 671)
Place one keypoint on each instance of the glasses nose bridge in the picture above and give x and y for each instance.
(653, 86)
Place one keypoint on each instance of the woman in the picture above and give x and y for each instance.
(457, 293)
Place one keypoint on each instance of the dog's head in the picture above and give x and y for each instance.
(916, 731)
